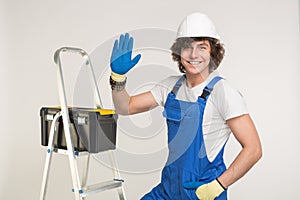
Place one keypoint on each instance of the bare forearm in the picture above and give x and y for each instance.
(128, 105)
(245, 132)
(240, 166)
(121, 101)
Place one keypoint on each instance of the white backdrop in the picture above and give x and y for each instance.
(262, 60)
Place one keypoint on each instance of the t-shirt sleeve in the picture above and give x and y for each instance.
(230, 102)
(161, 90)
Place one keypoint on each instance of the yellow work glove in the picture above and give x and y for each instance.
(209, 191)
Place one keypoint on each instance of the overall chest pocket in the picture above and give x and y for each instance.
(176, 116)
(173, 116)
(184, 121)
(174, 119)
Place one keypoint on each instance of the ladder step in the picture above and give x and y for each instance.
(99, 187)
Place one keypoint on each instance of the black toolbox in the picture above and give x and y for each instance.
(92, 130)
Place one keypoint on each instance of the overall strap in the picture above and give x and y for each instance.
(209, 87)
(177, 85)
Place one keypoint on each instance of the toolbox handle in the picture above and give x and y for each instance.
(57, 60)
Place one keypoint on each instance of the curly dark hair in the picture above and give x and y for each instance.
(217, 51)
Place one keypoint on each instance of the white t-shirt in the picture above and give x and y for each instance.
(224, 103)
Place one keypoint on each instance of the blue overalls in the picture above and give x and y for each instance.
(187, 160)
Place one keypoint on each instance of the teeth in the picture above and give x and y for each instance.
(195, 63)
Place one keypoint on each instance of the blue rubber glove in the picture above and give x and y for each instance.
(121, 61)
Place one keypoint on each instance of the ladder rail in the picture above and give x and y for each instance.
(86, 166)
(50, 149)
(117, 175)
(66, 124)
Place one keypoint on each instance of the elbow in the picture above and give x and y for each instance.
(257, 153)
(254, 153)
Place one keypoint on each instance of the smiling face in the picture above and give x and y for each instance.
(196, 57)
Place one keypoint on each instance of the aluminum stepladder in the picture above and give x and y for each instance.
(80, 188)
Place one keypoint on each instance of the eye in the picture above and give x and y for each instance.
(202, 47)
(186, 49)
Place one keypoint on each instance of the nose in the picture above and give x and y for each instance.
(194, 53)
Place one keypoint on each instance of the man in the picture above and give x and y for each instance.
(201, 110)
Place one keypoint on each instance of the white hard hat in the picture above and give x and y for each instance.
(197, 25)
